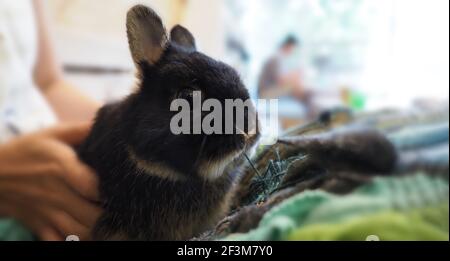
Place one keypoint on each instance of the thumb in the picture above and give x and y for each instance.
(70, 133)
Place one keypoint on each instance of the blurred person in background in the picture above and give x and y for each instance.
(281, 79)
(43, 185)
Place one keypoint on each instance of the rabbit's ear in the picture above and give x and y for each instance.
(146, 35)
(182, 37)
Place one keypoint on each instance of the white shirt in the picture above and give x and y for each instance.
(23, 109)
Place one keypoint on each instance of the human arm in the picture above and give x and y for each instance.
(69, 104)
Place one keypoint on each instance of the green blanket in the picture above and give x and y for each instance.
(422, 225)
(11, 230)
(385, 197)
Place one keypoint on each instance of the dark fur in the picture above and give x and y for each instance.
(140, 205)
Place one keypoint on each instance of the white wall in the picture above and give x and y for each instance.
(205, 18)
(409, 56)
(90, 32)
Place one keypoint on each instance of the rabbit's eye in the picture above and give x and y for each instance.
(188, 93)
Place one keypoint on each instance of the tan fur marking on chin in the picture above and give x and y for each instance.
(155, 169)
(214, 170)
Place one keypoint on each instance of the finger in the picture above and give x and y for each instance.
(50, 234)
(77, 174)
(31, 219)
(64, 223)
(78, 178)
(73, 134)
(82, 179)
(82, 210)
(56, 194)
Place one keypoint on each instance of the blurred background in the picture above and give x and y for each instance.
(310, 54)
(385, 62)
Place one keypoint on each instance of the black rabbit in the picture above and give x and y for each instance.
(156, 185)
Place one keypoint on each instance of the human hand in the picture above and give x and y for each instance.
(44, 185)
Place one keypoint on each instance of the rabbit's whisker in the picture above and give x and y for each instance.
(200, 152)
(252, 165)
